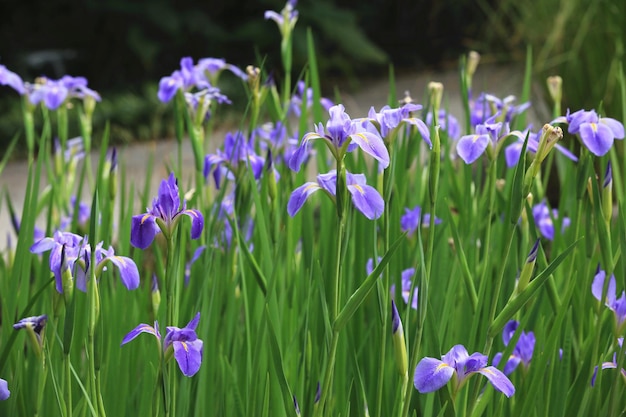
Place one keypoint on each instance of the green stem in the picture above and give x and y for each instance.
(67, 391)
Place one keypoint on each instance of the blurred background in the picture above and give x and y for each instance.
(123, 47)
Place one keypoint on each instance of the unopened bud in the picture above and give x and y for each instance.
(528, 267)
(607, 194)
(435, 91)
(399, 346)
(555, 88)
(67, 281)
(155, 295)
(473, 58)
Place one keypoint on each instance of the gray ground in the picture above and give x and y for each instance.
(498, 80)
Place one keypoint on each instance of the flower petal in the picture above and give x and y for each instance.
(372, 144)
(367, 200)
(197, 222)
(299, 197)
(142, 328)
(431, 374)
(470, 147)
(4, 390)
(129, 274)
(597, 137)
(189, 356)
(143, 229)
(598, 286)
(499, 381)
(616, 127)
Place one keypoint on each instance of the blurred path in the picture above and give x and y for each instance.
(498, 80)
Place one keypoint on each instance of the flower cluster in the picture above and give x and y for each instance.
(238, 152)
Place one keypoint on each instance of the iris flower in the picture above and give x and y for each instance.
(53, 93)
(342, 135)
(447, 123)
(406, 276)
(301, 94)
(544, 219)
(237, 152)
(287, 18)
(413, 218)
(432, 374)
(389, 119)
(488, 105)
(609, 365)
(365, 198)
(164, 215)
(491, 133)
(617, 305)
(184, 343)
(595, 132)
(78, 256)
(523, 351)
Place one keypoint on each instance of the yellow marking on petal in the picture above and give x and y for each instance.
(488, 371)
(362, 136)
(311, 186)
(359, 188)
(185, 346)
(192, 212)
(594, 127)
(441, 366)
(147, 329)
(145, 217)
(121, 260)
(475, 138)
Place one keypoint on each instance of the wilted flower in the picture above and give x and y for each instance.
(164, 216)
(595, 132)
(365, 198)
(34, 327)
(184, 343)
(432, 374)
(523, 351)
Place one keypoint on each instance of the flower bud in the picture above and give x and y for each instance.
(399, 346)
(527, 270)
(473, 58)
(155, 295)
(555, 88)
(607, 194)
(435, 91)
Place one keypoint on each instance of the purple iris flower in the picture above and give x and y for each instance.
(490, 133)
(447, 122)
(544, 219)
(4, 390)
(164, 215)
(53, 93)
(365, 198)
(389, 119)
(609, 365)
(617, 305)
(12, 80)
(212, 67)
(287, 18)
(488, 105)
(432, 374)
(36, 323)
(301, 94)
(523, 351)
(183, 79)
(513, 151)
(184, 342)
(227, 162)
(413, 218)
(200, 101)
(596, 133)
(342, 135)
(78, 257)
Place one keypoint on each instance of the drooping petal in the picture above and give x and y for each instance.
(143, 229)
(470, 147)
(299, 197)
(197, 222)
(43, 245)
(129, 274)
(328, 181)
(422, 128)
(4, 390)
(499, 381)
(142, 328)
(372, 144)
(189, 356)
(302, 152)
(367, 200)
(509, 331)
(597, 137)
(431, 374)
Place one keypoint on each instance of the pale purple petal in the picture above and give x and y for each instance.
(189, 356)
(598, 138)
(367, 200)
(598, 285)
(4, 390)
(616, 127)
(299, 197)
(431, 374)
(471, 147)
(197, 222)
(142, 328)
(129, 274)
(499, 381)
(372, 144)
